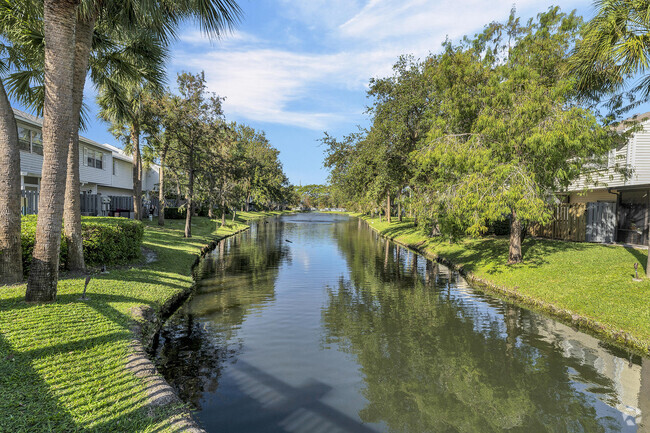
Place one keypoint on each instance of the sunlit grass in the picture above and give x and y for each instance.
(62, 365)
(593, 281)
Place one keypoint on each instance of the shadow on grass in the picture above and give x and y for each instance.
(26, 402)
(491, 253)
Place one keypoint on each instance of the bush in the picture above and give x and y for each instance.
(111, 241)
(108, 241)
(175, 213)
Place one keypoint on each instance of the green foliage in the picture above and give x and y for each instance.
(491, 126)
(111, 241)
(64, 364)
(315, 195)
(591, 281)
(27, 238)
(175, 213)
(106, 241)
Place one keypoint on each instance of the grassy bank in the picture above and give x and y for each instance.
(62, 365)
(589, 284)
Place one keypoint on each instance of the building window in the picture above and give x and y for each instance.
(93, 158)
(37, 143)
(114, 167)
(24, 139)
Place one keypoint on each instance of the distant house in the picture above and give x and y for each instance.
(104, 170)
(629, 198)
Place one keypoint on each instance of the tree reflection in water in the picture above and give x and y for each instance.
(235, 280)
(432, 354)
(436, 362)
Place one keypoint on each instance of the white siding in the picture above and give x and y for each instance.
(101, 176)
(104, 190)
(31, 163)
(150, 178)
(642, 159)
(123, 177)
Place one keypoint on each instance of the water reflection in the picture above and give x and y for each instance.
(340, 330)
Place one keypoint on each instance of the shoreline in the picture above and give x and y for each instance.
(610, 334)
(77, 364)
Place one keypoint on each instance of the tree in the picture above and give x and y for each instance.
(16, 53)
(59, 22)
(192, 120)
(123, 105)
(529, 139)
(399, 124)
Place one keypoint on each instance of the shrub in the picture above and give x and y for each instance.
(27, 237)
(175, 213)
(111, 241)
(108, 241)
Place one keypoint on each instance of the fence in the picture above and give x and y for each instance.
(580, 222)
(29, 202)
(91, 204)
(569, 222)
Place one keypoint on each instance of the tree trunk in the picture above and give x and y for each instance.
(399, 210)
(190, 200)
(11, 259)
(514, 253)
(59, 22)
(72, 206)
(210, 209)
(248, 201)
(388, 207)
(223, 212)
(161, 190)
(234, 215)
(137, 171)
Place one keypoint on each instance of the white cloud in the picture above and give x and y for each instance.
(264, 83)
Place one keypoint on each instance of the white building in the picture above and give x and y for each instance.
(103, 169)
(629, 197)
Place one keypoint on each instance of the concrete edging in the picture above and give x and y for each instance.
(147, 324)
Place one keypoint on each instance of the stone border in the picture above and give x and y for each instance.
(612, 335)
(145, 328)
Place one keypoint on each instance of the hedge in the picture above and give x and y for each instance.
(106, 241)
(175, 213)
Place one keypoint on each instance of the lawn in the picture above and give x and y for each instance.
(589, 283)
(62, 365)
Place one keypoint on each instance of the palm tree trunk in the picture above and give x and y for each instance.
(72, 206)
(514, 253)
(11, 259)
(161, 190)
(59, 20)
(137, 171)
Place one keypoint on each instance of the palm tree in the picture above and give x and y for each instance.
(59, 22)
(17, 52)
(122, 105)
(60, 18)
(614, 49)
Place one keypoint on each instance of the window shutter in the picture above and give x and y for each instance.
(85, 160)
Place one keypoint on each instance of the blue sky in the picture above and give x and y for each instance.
(297, 68)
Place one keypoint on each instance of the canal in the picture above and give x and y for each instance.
(313, 323)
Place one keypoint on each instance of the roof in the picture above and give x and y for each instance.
(630, 121)
(38, 121)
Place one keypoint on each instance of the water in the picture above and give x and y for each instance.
(312, 323)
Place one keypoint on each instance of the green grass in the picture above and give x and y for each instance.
(591, 282)
(62, 365)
